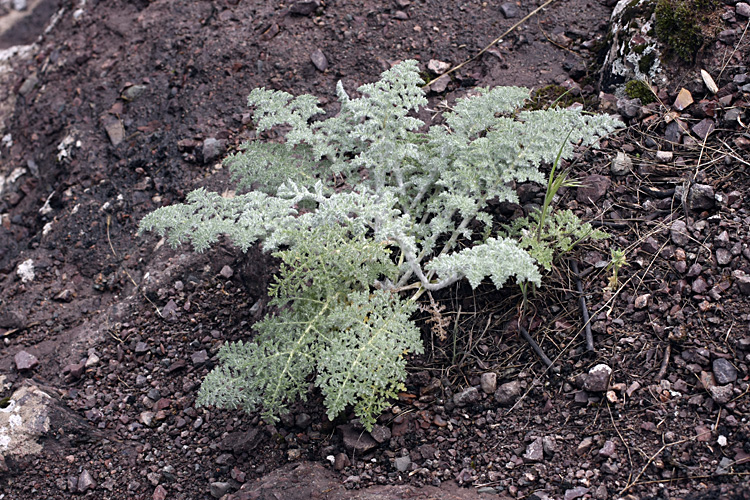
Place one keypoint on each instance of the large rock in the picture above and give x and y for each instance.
(648, 40)
(32, 418)
(355, 440)
(508, 392)
(307, 480)
(633, 54)
(597, 380)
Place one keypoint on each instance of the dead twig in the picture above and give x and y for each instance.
(652, 457)
(496, 40)
(534, 346)
(664, 363)
(584, 309)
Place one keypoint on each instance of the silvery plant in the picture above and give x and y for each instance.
(366, 211)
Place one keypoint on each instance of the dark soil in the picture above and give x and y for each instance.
(108, 122)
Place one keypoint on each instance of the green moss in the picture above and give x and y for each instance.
(638, 49)
(637, 89)
(678, 25)
(645, 62)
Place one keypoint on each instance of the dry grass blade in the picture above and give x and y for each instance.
(496, 40)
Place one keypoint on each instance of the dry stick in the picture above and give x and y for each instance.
(726, 63)
(652, 457)
(519, 23)
(624, 443)
(584, 309)
(609, 303)
(538, 350)
(664, 363)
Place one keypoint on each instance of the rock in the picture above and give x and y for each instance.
(725, 467)
(427, 451)
(743, 283)
(724, 371)
(133, 92)
(11, 319)
(468, 396)
(219, 488)
(721, 394)
(113, 126)
(694, 270)
(356, 441)
(701, 197)
(535, 451)
(699, 286)
(30, 415)
(304, 7)
(303, 421)
(584, 446)
(674, 131)
(597, 379)
(679, 233)
(200, 357)
(401, 15)
(733, 116)
(742, 9)
(628, 108)
(160, 493)
(212, 150)
(147, 418)
(380, 433)
(641, 301)
(727, 36)
(592, 188)
(25, 271)
(74, 371)
(601, 493)
(91, 360)
(622, 164)
(85, 481)
(509, 10)
(402, 463)
(242, 442)
(28, 84)
(508, 392)
(576, 492)
(488, 382)
(664, 156)
(608, 450)
(141, 347)
(438, 85)
(438, 67)
(341, 461)
(683, 100)
(19, 4)
(25, 361)
(549, 443)
(723, 256)
(703, 128)
(319, 60)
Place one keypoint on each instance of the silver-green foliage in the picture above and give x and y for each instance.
(361, 207)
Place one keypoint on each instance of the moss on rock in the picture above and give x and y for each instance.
(678, 25)
(638, 89)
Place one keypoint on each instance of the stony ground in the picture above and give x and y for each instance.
(124, 106)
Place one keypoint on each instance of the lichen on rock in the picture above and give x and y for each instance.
(647, 36)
